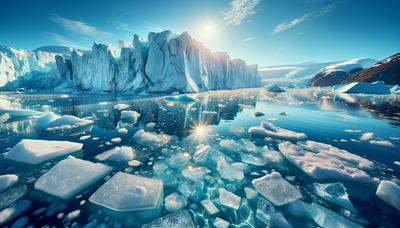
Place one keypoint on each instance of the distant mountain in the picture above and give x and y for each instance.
(338, 73)
(55, 49)
(299, 74)
(387, 70)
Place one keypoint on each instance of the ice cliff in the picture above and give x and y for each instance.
(165, 62)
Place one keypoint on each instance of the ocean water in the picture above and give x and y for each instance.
(337, 120)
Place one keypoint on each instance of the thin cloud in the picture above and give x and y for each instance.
(238, 10)
(154, 28)
(78, 27)
(122, 26)
(290, 24)
(62, 40)
(248, 39)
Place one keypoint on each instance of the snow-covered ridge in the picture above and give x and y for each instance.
(165, 62)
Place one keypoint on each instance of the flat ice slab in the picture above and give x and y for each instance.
(7, 181)
(70, 176)
(269, 130)
(127, 192)
(34, 151)
(67, 122)
(228, 199)
(150, 139)
(329, 219)
(377, 87)
(179, 219)
(334, 193)
(323, 164)
(389, 192)
(276, 189)
(122, 154)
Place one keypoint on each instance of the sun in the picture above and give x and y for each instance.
(208, 29)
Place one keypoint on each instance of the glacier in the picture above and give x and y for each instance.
(166, 62)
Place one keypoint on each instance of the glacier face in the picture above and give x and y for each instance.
(166, 62)
(17, 67)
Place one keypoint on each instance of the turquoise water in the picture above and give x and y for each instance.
(208, 121)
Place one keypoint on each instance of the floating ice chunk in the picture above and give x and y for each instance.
(386, 143)
(84, 137)
(19, 112)
(297, 209)
(323, 166)
(175, 202)
(116, 140)
(220, 223)
(7, 181)
(250, 193)
(389, 192)
(195, 173)
(41, 122)
(70, 176)
(202, 153)
(210, 206)
(73, 215)
(227, 171)
(353, 159)
(33, 151)
(11, 195)
(131, 116)
(121, 106)
(134, 163)
(334, 193)
(268, 129)
(181, 99)
(264, 211)
(131, 193)
(150, 139)
(229, 199)
(329, 219)
(179, 219)
(276, 189)
(252, 159)
(229, 145)
(248, 145)
(377, 87)
(123, 131)
(237, 130)
(117, 154)
(274, 88)
(67, 122)
(14, 211)
(352, 130)
(367, 136)
(211, 113)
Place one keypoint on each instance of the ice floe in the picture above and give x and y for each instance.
(11, 195)
(377, 87)
(148, 139)
(175, 202)
(41, 122)
(195, 173)
(67, 122)
(324, 164)
(202, 154)
(268, 129)
(389, 192)
(131, 116)
(117, 154)
(121, 106)
(70, 176)
(229, 199)
(181, 99)
(210, 206)
(385, 143)
(7, 181)
(276, 189)
(221, 223)
(334, 193)
(131, 193)
(367, 136)
(329, 219)
(228, 171)
(179, 219)
(34, 151)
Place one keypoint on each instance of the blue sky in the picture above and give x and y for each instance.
(265, 32)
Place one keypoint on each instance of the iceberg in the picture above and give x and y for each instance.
(228, 199)
(274, 88)
(181, 99)
(389, 192)
(118, 154)
(179, 219)
(148, 139)
(322, 165)
(7, 181)
(276, 189)
(175, 202)
(131, 193)
(70, 176)
(32, 151)
(269, 130)
(334, 193)
(329, 219)
(377, 87)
